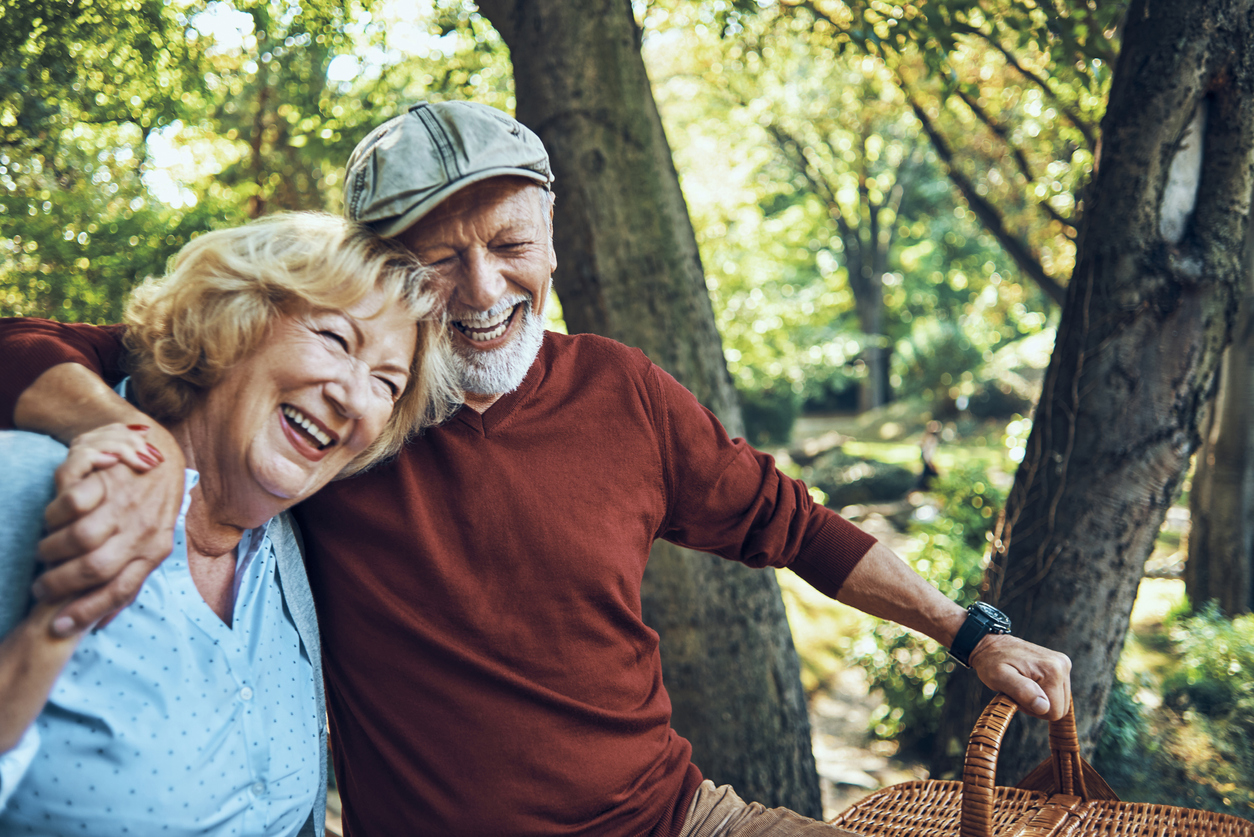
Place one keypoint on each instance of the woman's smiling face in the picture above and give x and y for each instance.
(319, 390)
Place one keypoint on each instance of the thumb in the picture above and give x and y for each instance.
(1025, 692)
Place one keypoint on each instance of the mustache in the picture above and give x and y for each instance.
(468, 315)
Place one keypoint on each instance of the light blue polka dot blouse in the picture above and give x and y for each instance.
(170, 722)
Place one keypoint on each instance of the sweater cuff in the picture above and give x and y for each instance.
(826, 561)
(37, 356)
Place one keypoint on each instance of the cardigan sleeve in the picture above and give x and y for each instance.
(32, 346)
(27, 461)
(727, 498)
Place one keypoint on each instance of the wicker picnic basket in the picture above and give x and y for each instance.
(1063, 797)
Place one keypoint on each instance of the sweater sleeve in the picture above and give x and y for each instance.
(32, 346)
(727, 498)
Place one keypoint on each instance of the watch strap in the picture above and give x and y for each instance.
(977, 625)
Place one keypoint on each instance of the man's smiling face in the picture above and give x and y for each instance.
(492, 244)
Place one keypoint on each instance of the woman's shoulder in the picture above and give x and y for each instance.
(28, 459)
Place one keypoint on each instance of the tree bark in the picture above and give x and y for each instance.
(1220, 565)
(1147, 315)
(628, 268)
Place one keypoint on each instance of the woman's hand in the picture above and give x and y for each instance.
(31, 658)
(105, 447)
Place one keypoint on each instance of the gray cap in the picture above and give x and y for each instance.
(412, 162)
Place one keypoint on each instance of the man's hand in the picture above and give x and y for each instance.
(109, 527)
(1036, 678)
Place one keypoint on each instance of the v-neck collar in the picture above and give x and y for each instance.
(501, 410)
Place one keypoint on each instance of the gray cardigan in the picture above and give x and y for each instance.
(27, 461)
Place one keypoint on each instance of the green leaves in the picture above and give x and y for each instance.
(129, 126)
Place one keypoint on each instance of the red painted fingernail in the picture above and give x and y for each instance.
(138, 427)
(155, 453)
(147, 460)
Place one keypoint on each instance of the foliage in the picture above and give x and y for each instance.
(127, 127)
(790, 156)
(911, 670)
(1010, 95)
(1197, 749)
(1123, 746)
(769, 414)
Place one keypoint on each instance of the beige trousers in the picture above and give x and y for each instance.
(719, 812)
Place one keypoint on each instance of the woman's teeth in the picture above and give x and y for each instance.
(302, 421)
(480, 331)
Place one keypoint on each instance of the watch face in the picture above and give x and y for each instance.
(998, 621)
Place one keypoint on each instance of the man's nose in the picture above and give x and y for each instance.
(481, 283)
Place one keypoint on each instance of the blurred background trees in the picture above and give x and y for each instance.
(887, 198)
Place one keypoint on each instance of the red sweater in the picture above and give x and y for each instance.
(487, 668)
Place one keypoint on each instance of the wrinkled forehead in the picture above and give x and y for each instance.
(481, 208)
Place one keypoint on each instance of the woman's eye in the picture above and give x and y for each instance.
(331, 335)
(391, 386)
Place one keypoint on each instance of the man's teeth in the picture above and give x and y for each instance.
(481, 331)
(301, 420)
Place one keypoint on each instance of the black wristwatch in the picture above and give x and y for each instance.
(981, 619)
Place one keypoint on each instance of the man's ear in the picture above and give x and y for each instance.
(552, 249)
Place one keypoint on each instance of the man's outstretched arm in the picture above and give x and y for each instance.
(1036, 678)
(108, 528)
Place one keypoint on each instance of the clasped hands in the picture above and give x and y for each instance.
(110, 524)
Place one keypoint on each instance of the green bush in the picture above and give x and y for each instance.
(1216, 675)
(769, 414)
(1197, 749)
(1125, 744)
(911, 670)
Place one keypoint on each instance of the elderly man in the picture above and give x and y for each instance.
(487, 668)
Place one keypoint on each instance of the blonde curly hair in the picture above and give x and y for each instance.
(223, 291)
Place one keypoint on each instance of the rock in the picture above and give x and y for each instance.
(848, 480)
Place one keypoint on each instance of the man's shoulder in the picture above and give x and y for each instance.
(588, 352)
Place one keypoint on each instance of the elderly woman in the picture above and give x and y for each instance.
(279, 355)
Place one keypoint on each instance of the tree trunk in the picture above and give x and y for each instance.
(1148, 312)
(1221, 535)
(628, 268)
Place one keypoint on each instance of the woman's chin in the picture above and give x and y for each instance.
(284, 484)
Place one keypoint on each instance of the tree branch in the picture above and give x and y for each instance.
(985, 211)
(1090, 137)
(1021, 159)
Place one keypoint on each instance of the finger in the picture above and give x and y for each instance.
(85, 571)
(79, 462)
(100, 606)
(75, 502)
(1056, 682)
(1024, 691)
(140, 460)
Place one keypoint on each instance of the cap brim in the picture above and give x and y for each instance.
(392, 227)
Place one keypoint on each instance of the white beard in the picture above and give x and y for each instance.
(500, 371)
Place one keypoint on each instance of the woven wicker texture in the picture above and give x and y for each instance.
(1064, 797)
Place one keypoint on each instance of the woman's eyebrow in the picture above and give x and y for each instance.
(394, 367)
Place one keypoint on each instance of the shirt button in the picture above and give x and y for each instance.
(258, 788)
(245, 693)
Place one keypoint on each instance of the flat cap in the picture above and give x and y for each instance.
(411, 163)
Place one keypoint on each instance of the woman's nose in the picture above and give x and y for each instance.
(349, 391)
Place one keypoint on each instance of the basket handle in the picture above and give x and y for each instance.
(980, 769)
